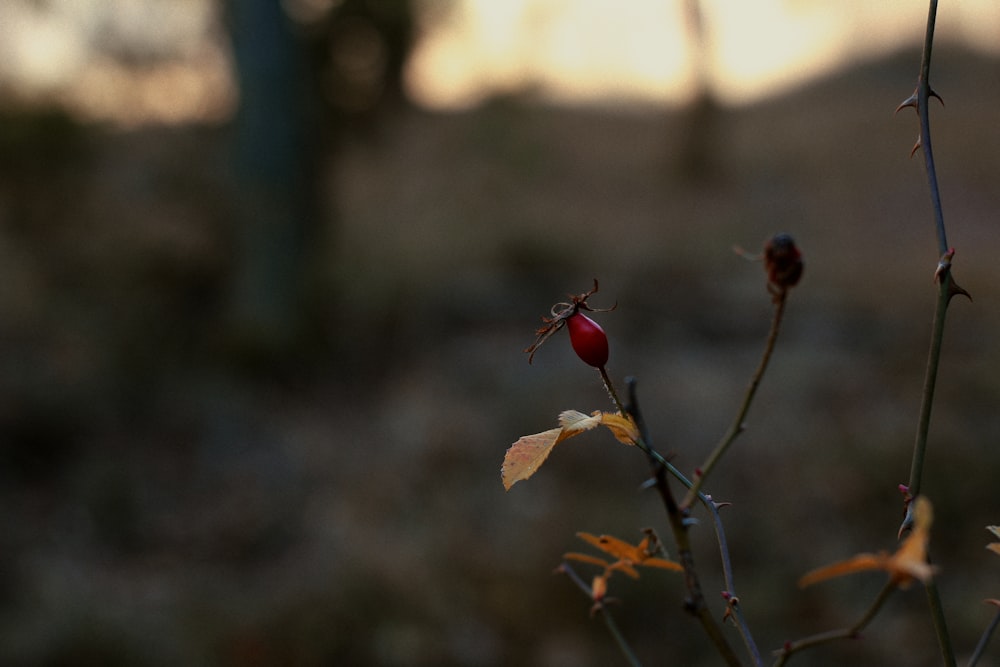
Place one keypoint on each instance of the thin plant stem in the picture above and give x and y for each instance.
(940, 625)
(695, 602)
(623, 645)
(735, 608)
(930, 382)
(947, 289)
(849, 632)
(924, 93)
(985, 639)
(610, 387)
(602, 609)
(737, 426)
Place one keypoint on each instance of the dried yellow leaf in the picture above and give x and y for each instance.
(622, 426)
(526, 455)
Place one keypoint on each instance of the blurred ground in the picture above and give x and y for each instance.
(167, 501)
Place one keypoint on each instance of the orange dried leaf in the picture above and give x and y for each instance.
(585, 558)
(908, 563)
(624, 566)
(627, 554)
(610, 545)
(663, 563)
(859, 563)
(622, 426)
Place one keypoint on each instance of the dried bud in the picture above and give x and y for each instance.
(783, 262)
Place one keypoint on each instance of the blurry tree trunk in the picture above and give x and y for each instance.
(276, 154)
(698, 158)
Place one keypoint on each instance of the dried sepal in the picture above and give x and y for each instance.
(559, 314)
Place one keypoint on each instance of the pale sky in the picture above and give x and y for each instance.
(570, 51)
(619, 49)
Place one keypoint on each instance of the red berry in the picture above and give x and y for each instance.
(588, 339)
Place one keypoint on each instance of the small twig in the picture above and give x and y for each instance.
(985, 639)
(600, 607)
(850, 632)
(623, 644)
(737, 426)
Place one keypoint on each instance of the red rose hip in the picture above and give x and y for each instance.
(588, 340)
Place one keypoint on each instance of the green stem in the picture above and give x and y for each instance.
(940, 626)
(924, 93)
(737, 426)
(930, 381)
(946, 290)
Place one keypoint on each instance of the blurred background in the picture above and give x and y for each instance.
(267, 269)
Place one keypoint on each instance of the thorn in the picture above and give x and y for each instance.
(907, 522)
(910, 101)
(931, 93)
(722, 504)
(915, 147)
(648, 484)
(954, 289)
(944, 268)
